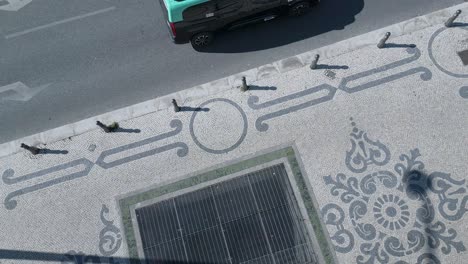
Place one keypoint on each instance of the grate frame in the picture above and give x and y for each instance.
(321, 243)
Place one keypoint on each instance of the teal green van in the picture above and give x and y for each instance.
(197, 21)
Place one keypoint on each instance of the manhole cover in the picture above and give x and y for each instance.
(330, 74)
(464, 56)
(253, 218)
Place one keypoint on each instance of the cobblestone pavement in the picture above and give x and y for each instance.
(380, 136)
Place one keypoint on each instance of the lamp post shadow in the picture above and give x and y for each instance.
(416, 184)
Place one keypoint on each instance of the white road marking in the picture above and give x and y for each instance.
(22, 92)
(14, 5)
(24, 32)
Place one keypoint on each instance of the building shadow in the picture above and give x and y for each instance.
(79, 258)
(327, 16)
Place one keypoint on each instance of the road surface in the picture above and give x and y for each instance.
(62, 61)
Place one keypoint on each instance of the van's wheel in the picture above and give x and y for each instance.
(298, 9)
(201, 40)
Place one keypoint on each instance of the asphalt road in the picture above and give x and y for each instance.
(77, 59)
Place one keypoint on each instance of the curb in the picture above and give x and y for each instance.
(233, 81)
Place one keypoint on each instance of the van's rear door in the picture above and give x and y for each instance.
(166, 20)
(164, 9)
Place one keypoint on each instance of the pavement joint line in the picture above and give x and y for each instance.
(56, 23)
(233, 81)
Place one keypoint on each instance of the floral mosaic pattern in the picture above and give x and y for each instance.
(393, 212)
(110, 241)
(110, 238)
(364, 151)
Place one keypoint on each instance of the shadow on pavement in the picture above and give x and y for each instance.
(193, 109)
(327, 16)
(127, 130)
(416, 185)
(331, 67)
(52, 151)
(262, 88)
(395, 45)
(459, 24)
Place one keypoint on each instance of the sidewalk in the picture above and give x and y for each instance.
(363, 160)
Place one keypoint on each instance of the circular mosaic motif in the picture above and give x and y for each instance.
(451, 41)
(391, 212)
(222, 117)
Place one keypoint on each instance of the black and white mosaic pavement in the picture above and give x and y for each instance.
(394, 209)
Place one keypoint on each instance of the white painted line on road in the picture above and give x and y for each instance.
(24, 32)
(22, 92)
(14, 5)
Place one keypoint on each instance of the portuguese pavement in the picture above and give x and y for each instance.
(381, 136)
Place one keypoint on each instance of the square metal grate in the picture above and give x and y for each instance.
(463, 56)
(251, 219)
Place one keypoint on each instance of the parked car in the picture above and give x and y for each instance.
(198, 20)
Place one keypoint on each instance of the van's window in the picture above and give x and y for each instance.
(226, 6)
(221, 4)
(197, 12)
(262, 2)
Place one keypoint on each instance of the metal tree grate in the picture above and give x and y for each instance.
(250, 219)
